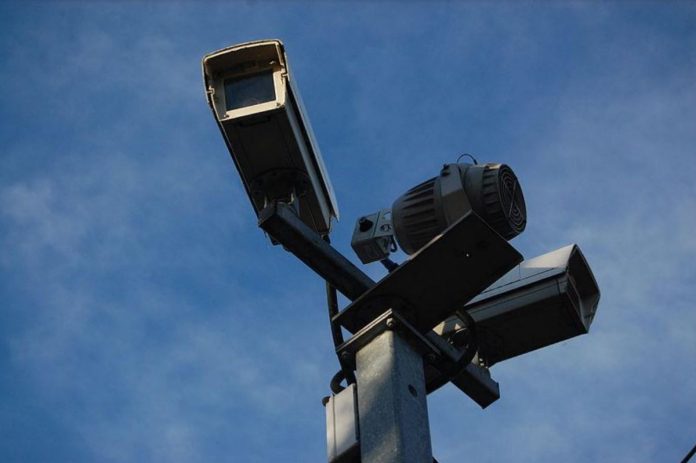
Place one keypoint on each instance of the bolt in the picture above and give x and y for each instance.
(345, 355)
(391, 323)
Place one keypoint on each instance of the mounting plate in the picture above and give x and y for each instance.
(439, 279)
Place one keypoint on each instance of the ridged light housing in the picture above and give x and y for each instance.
(491, 190)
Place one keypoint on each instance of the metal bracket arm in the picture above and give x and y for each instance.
(283, 225)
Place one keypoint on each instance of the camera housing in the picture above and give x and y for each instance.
(373, 237)
(490, 190)
(542, 301)
(260, 114)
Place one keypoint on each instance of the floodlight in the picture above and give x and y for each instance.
(258, 109)
(542, 301)
(490, 190)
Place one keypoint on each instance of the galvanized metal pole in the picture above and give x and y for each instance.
(392, 406)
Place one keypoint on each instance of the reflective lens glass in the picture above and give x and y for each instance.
(249, 90)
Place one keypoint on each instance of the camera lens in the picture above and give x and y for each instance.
(241, 92)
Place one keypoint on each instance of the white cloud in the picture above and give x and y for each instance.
(162, 327)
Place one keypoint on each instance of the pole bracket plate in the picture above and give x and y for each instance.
(442, 361)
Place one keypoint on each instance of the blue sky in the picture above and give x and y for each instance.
(144, 317)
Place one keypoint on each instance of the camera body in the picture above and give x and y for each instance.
(542, 301)
(258, 109)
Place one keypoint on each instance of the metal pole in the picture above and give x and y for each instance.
(392, 406)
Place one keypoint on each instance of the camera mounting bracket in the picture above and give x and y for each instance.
(439, 279)
(442, 361)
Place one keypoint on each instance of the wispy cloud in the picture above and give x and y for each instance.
(154, 322)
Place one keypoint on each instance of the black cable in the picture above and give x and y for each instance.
(467, 154)
(336, 334)
(332, 302)
(345, 372)
(689, 455)
(392, 245)
(472, 345)
(389, 264)
(335, 383)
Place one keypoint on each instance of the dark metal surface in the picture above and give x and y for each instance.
(471, 379)
(389, 320)
(517, 323)
(281, 223)
(443, 276)
(544, 300)
(443, 362)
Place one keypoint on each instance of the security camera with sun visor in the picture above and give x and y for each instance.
(258, 109)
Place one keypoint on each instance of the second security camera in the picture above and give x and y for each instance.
(259, 112)
(542, 301)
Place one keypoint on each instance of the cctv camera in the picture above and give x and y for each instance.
(542, 301)
(258, 109)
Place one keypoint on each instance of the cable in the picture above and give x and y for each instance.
(472, 345)
(467, 154)
(332, 302)
(689, 455)
(335, 383)
(389, 264)
(345, 372)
